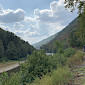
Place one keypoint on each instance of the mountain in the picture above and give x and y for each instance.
(62, 36)
(43, 42)
(12, 47)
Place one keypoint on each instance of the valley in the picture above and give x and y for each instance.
(56, 60)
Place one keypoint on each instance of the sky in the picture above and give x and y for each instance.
(34, 20)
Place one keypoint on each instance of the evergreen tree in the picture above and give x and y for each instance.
(12, 51)
(1, 49)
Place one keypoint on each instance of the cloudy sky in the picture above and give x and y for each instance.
(34, 20)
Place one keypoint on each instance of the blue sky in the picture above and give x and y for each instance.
(34, 20)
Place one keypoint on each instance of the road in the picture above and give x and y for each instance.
(10, 67)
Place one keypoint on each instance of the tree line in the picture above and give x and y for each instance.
(12, 47)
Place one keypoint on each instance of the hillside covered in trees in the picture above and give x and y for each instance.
(62, 36)
(12, 47)
(74, 34)
(45, 41)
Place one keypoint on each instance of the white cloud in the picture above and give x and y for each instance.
(41, 25)
(44, 15)
(5, 28)
(56, 13)
(31, 37)
(29, 19)
(18, 25)
(9, 16)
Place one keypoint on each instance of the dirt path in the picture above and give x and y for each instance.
(10, 67)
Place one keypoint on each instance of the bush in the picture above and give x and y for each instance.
(77, 59)
(37, 65)
(61, 76)
(60, 58)
(13, 79)
(69, 52)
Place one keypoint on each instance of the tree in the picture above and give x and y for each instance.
(1, 49)
(37, 65)
(73, 39)
(12, 51)
(80, 4)
(60, 47)
(81, 30)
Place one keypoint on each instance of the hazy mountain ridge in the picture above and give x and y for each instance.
(45, 41)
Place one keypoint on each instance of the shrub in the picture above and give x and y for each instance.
(60, 58)
(61, 76)
(13, 79)
(37, 65)
(77, 59)
(69, 52)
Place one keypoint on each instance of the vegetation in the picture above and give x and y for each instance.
(62, 36)
(45, 41)
(80, 4)
(61, 76)
(38, 65)
(13, 79)
(77, 37)
(12, 47)
(77, 59)
(40, 69)
(73, 35)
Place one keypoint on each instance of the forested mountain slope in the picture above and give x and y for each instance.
(62, 36)
(12, 47)
(45, 41)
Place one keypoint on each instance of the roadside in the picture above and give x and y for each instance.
(6, 66)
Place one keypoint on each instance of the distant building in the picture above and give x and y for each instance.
(49, 54)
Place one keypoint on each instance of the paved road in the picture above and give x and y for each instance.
(10, 67)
